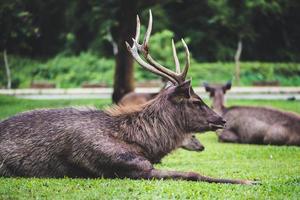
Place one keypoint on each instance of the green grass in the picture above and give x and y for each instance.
(278, 168)
(10, 106)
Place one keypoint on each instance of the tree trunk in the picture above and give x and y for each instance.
(237, 61)
(124, 79)
(7, 69)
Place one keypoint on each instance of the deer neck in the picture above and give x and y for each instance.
(152, 129)
(218, 102)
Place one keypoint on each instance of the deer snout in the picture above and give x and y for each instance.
(201, 148)
(217, 123)
(223, 121)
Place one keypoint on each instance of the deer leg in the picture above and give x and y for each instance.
(228, 136)
(141, 168)
(131, 165)
(188, 176)
(109, 160)
(4, 171)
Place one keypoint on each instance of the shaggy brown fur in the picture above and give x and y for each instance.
(117, 110)
(134, 101)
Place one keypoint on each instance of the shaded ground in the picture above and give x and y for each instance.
(276, 167)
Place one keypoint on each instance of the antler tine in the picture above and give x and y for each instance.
(138, 29)
(187, 60)
(148, 32)
(152, 65)
(136, 46)
(175, 58)
(134, 52)
(144, 48)
(161, 68)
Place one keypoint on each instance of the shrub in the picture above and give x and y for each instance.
(72, 71)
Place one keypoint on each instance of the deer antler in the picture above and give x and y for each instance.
(152, 65)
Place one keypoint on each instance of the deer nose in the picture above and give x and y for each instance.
(223, 121)
(217, 120)
(201, 148)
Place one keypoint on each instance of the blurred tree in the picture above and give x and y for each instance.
(7, 69)
(277, 28)
(49, 17)
(17, 27)
(106, 23)
(236, 18)
(267, 28)
(124, 31)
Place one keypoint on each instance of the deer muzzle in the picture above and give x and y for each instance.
(220, 123)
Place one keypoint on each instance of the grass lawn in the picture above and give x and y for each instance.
(278, 168)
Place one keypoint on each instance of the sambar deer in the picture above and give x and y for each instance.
(190, 143)
(257, 125)
(110, 143)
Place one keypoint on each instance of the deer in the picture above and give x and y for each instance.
(134, 98)
(190, 143)
(253, 124)
(111, 143)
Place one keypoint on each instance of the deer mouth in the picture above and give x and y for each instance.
(216, 126)
(200, 149)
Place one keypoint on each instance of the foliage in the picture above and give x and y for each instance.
(277, 167)
(269, 29)
(286, 73)
(215, 26)
(16, 26)
(73, 71)
(64, 71)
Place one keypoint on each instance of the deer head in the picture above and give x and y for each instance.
(178, 101)
(192, 144)
(217, 92)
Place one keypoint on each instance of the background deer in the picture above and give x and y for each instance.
(134, 98)
(258, 125)
(111, 143)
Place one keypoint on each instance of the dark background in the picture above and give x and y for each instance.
(269, 30)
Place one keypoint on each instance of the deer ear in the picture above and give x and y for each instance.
(206, 86)
(227, 86)
(182, 91)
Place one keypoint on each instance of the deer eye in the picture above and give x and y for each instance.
(197, 102)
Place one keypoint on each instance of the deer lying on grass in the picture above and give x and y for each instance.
(134, 98)
(190, 143)
(111, 143)
(257, 125)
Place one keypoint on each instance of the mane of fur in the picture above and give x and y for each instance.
(149, 126)
(121, 110)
